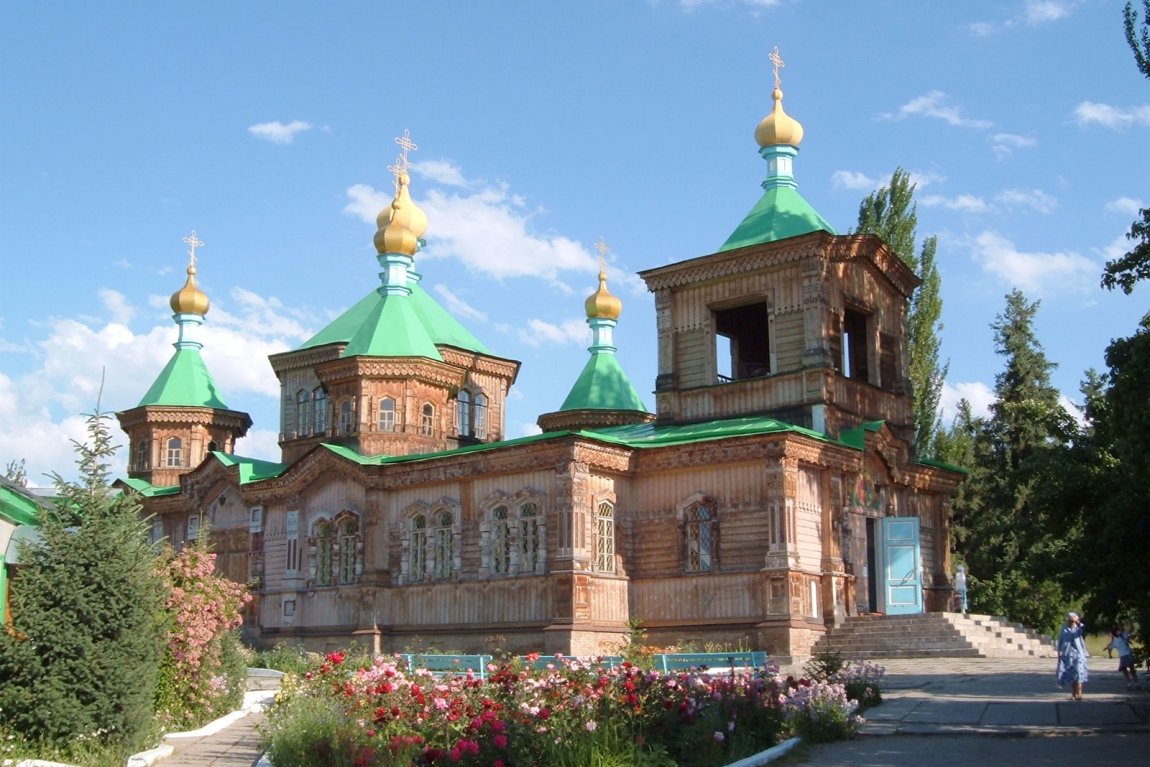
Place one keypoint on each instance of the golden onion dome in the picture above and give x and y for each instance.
(395, 237)
(190, 299)
(601, 304)
(410, 214)
(778, 127)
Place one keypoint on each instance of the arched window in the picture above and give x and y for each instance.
(324, 537)
(175, 453)
(443, 550)
(427, 420)
(319, 410)
(500, 541)
(302, 415)
(605, 538)
(479, 416)
(387, 414)
(529, 538)
(346, 417)
(348, 529)
(417, 547)
(463, 413)
(699, 531)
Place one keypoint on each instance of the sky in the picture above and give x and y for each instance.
(268, 129)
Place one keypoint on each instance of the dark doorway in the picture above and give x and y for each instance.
(871, 567)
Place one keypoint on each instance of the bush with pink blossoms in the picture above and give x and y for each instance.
(203, 672)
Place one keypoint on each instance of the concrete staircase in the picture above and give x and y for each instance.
(934, 635)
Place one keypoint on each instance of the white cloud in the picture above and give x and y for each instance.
(979, 395)
(540, 333)
(1035, 199)
(1090, 112)
(1004, 144)
(1033, 272)
(277, 132)
(922, 179)
(440, 171)
(1117, 248)
(41, 411)
(458, 306)
(936, 104)
(1045, 11)
(117, 305)
(1034, 13)
(849, 179)
(487, 230)
(1128, 206)
(967, 203)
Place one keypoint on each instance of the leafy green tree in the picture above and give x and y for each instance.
(16, 473)
(891, 213)
(1005, 519)
(1124, 272)
(80, 659)
(1108, 507)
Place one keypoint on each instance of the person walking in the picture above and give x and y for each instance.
(1120, 642)
(1072, 656)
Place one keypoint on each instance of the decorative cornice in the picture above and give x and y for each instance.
(480, 363)
(305, 358)
(588, 418)
(174, 415)
(409, 368)
(731, 263)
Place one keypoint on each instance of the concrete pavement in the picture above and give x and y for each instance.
(933, 710)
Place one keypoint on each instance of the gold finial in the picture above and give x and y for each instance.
(193, 242)
(777, 60)
(407, 145)
(601, 304)
(190, 299)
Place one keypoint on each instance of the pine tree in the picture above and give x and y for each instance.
(81, 656)
(1011, 502)
(891, 213)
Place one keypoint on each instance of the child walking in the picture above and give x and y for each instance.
(1120, 643)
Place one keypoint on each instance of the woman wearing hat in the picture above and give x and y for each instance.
(1072, 656)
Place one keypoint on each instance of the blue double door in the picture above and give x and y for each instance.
(897, 563)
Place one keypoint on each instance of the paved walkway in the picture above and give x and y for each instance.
(948, 699)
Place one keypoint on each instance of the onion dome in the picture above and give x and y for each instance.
(190, 299)
(394, 236)
(779, 127)
(601, 304)
(401, 213)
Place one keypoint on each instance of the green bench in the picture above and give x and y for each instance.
(543, 661)
(682, 661)
(444, 664)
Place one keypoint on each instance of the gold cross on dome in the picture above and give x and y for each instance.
(601, 246)
(407, 145)
(193, 242)
(777, 60)
(397, 168)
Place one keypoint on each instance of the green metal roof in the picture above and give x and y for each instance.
(392, 329)
(603, 386)
(435, 323)
(781, 213)
(185, 382)
(251, 469)
(17, 505)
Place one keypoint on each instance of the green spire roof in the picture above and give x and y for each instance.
(603, 386)
(435, 323)
(781, 213)
(392, 329)
(185, 382)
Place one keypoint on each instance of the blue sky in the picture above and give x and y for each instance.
(541, 127)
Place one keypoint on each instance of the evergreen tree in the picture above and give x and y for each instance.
(1006, 518)
(891, 213)
(1124, 272)
(81, 656)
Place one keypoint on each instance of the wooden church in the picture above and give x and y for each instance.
(774, 491)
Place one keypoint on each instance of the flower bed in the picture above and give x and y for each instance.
(573, 713)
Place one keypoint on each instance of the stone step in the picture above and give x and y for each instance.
(934, 635)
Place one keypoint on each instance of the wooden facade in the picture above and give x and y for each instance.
(758, 529)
